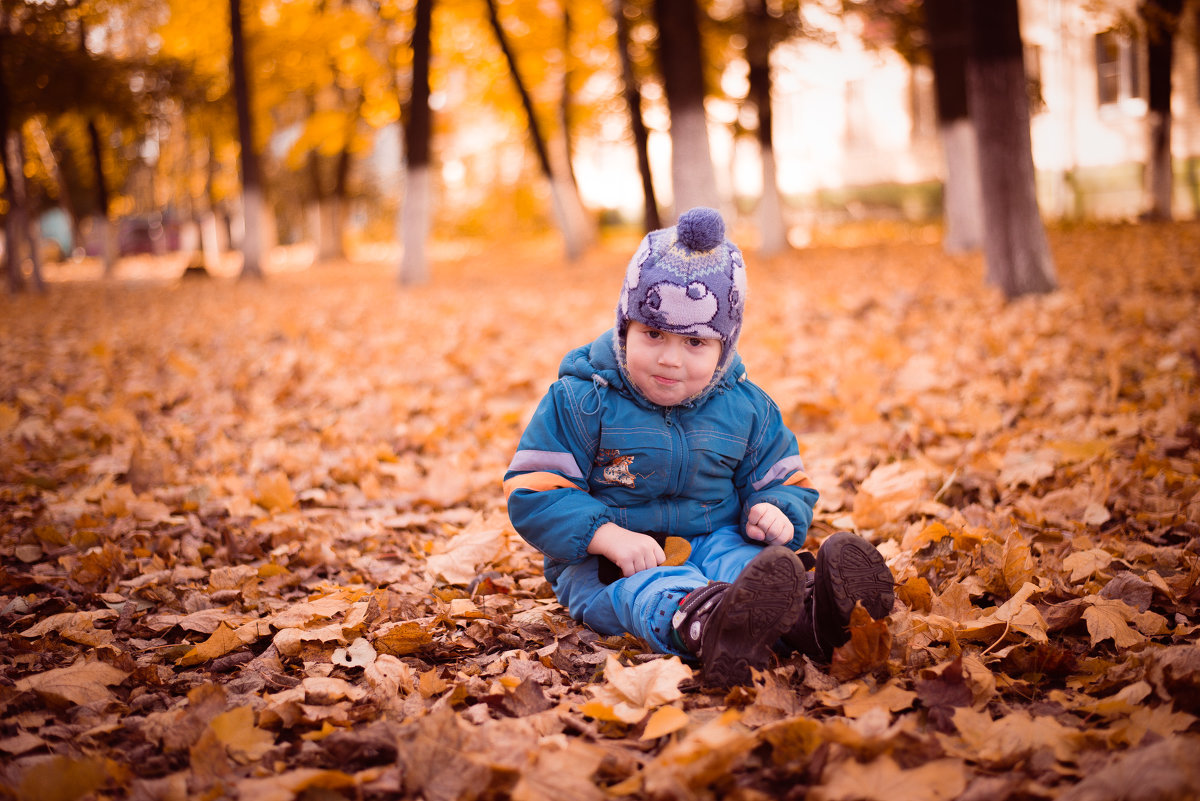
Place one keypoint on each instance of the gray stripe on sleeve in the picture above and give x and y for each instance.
(528, 461)
(780, 468)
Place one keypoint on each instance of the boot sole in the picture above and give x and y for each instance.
(849, 569)
(762, 603)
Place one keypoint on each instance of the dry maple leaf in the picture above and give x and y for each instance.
(629, 693)
(79, 684)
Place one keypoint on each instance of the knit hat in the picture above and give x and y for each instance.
(689, 280)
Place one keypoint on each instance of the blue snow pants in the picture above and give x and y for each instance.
(643, 604)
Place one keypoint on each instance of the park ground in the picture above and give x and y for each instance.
(253, 541)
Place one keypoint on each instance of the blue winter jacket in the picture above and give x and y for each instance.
(597, 451)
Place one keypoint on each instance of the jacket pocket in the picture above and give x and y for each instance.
(714, 458)
(631, 466)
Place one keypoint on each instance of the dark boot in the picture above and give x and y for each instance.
(848, 570)
(731, 628)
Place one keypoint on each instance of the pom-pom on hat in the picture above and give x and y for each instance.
(689, 280)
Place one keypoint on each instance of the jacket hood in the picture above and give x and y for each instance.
(597, 361)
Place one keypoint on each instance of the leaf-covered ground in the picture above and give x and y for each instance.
(253, 545)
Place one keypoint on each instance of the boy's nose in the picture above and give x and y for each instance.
(670, 355)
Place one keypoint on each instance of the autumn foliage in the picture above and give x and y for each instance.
(253, 545)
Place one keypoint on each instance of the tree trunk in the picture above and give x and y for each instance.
(962, 207)
(19, 226)
(641, 138)
(1162, 20)
(102, 218)
(771, 228)
(571, 234)
(418, 195)
(252, 192)
(681, 63)
(1014, 238)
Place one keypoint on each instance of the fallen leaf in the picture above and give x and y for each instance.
(244, 741)
(359, 654)
(81, 683)
(1168, 770)
(663, 721)
(884, 780)
(868, 648)
(629, 693)
(222, 641)
(292, 784)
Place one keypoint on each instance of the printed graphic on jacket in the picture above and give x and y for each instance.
(616, 468)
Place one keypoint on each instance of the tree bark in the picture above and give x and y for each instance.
(571, 233)
(18, 223)
(681, 63)
(252, 191)
(771, 227)
(1162, 21)
(1014, 238)
(414, 219)
(633, 101)
(962, 208)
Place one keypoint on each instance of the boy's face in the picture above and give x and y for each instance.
(669, 368)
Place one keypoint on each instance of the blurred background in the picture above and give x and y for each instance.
(334, 129)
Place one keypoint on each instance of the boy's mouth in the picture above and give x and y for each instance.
(664, 381)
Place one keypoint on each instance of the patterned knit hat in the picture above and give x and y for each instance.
(687, 279)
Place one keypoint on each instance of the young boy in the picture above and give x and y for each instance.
(653, 432)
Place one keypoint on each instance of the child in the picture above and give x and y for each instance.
(653, 432)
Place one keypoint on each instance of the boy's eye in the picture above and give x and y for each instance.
(697, 342)
(650, 332)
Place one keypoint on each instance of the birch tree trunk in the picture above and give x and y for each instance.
(962, 205)
(252, 193)
(771, 228)
(418, 184)
(681, 63)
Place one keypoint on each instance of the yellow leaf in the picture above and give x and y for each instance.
(1083, 564)
(677, 550)
(664, 721)
(1007, 740)
(1109, 619)
(274, 492)
(403, 639)
(244, 741)
(9, 416)
(62, 778)
(219, 643)
(631, 692)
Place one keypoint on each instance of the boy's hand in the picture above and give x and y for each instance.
(766, 523)
(629, 550)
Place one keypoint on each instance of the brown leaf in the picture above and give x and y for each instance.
(884, 780)
(438, 758)
(293, 784)
(222, 641)
(243, 741)
(63, 778)
(941, 692)
(559, 773)
(1168, 770)
(868, 648)
(403, 639)
(82, 683)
